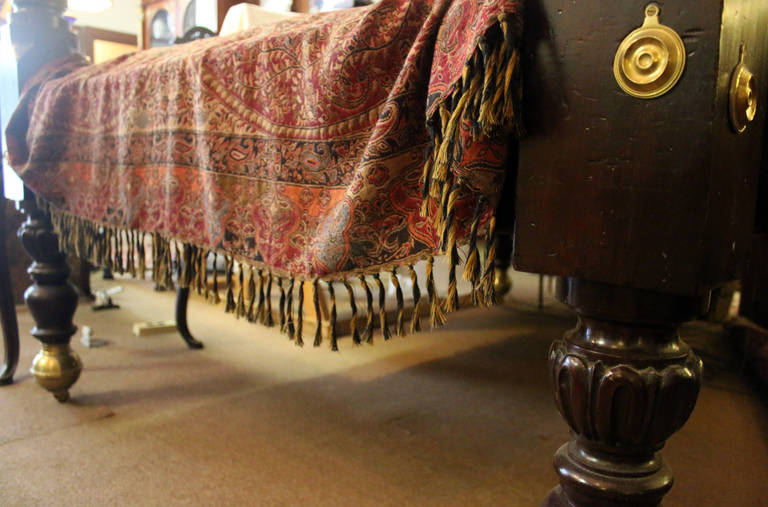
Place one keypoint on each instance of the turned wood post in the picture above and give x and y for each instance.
(40, 35)
(625, 382)
(52, 301)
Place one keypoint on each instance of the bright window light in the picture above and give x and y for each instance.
(89, 5)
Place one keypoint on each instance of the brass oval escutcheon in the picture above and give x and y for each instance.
(650, 60)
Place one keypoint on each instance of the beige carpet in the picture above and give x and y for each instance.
(463, 416)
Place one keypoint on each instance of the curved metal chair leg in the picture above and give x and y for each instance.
(7, 310)
(182, 300)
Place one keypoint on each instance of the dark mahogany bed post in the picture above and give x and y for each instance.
(638, 191)
(40, 35)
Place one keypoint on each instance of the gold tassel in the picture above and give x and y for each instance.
(489, 291)
(400, 325)
(300, 316)
(437, 317)
(472, 266)
(267, 318)
(368, 331)
(316, 302)
(334, 336)
(416, 317)
(353, 320)
(452, 298)
(382, 308)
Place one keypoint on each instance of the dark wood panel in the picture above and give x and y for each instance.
(614, 188)
(736, 158)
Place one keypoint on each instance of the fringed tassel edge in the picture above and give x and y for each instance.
(249, 294)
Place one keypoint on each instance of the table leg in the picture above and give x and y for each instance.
(10, 326)
(52, 302)
(625, 382)
(182, 302)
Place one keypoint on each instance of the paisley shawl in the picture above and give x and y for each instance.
(318, 148)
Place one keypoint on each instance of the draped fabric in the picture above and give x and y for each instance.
(320, 147)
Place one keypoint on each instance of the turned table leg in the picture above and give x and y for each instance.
(52, 301)
(625, 382)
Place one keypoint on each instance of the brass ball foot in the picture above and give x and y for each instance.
(56, 367)
(502, 284)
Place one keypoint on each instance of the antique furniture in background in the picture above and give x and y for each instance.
(166, 20)
(100, 45)
(641, 205)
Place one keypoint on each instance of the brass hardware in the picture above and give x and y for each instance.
(56, 367)
(743, 95)
(502, 284)
(651, 59)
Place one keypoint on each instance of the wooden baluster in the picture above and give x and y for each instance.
(40, 35)
(624, 382)
(52, 301)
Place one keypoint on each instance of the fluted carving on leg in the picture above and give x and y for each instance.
(624, 382)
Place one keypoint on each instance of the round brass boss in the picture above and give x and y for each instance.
(651, 59)
(743, 95)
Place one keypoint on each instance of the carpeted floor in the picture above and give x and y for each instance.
(463, 416)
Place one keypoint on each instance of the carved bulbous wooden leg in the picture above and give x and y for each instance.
(52, 301)
(624, 382)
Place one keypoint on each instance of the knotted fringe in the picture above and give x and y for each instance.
(400, 323)
(290, 329)
(240, 305)
(215, 289)
(353, 320)
(230, 301)
(267, 319)
(382, 308)
(486, 284)
(300, 316)
(472, 265)
(258, 315)
(416, 317)
(281, 308)
(252, 313)
(316, 302)
(368, 331)
(437, 317)
(483, 102)
(332, 324)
